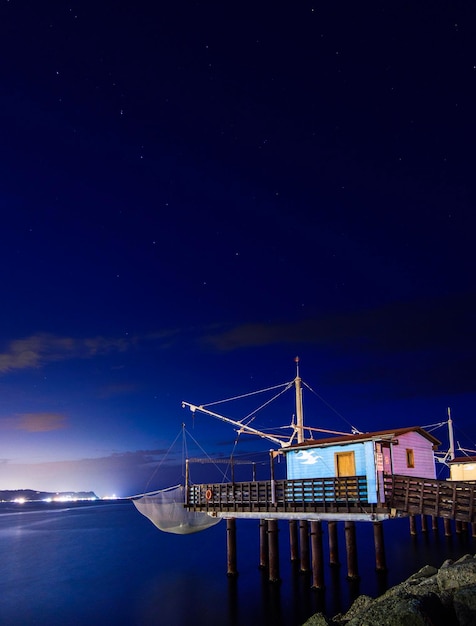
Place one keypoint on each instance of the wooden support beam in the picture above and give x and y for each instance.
(317, 556)
(447, 525)
(231, 547)
(304, 545)
(351, 549)
(293, 540)
(412, 520)
(333, 544)
(434, 523)
(273, 546)
(263, 544)
(424, 524)
(380, 563)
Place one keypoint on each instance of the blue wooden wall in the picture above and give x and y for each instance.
(320, 463)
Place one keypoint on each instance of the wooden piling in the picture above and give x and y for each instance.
(273, 549)
(424, 524)
(293, 540)
(473, 529)
(304, 545)
(317, 556)
(351, 549)
(458, 527)
(231, 547)
(434, 523)
(263, 544)
(380, 562)
(412, 520)
(333, 544)
(447, 525)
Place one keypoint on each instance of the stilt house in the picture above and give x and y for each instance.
(405, 451)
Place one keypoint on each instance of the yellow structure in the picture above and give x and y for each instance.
(463, 468)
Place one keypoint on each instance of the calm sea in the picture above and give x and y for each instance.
(105, 563)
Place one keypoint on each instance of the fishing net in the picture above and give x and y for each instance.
(166, 510)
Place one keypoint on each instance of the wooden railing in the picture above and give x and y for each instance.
(404, 495)
(346, 494)
(440, 498)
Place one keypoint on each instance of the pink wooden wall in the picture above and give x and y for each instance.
(422, 452)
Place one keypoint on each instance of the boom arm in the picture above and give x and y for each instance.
(242, 428)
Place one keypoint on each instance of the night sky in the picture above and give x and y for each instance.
(195, 192)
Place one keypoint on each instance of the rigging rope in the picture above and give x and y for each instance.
(246, 395)
(354, 428)
(288, 386)
(164, 457)
(204, 452)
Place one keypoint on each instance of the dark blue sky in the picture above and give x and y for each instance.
(192, 193)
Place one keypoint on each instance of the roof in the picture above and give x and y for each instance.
(379, 434)
(463, 459)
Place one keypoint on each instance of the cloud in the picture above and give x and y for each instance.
(42, 348)
(35, 422)
(36, 350)
(439, 323)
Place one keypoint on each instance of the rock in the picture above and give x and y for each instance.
(464, 603)
(424, 572)
(359, 606)
(455, 575)
(402, 610)
(318, 619)
(430, 596)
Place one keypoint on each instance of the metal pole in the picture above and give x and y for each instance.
(186, 481)
(299, 411)
(451, 436)
(273, 484)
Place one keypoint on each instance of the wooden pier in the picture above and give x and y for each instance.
(454, 500)
(336, 499)
(343, 498)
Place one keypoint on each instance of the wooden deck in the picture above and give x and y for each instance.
(335, 498)
(323, 496)
(440, 498)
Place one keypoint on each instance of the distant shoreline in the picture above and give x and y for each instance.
(30, 495)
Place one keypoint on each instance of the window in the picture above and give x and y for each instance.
(410, 458)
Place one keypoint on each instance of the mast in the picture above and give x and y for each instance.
(451, 451)
(299, 411)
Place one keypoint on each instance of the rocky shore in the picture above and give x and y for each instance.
(436, 597)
